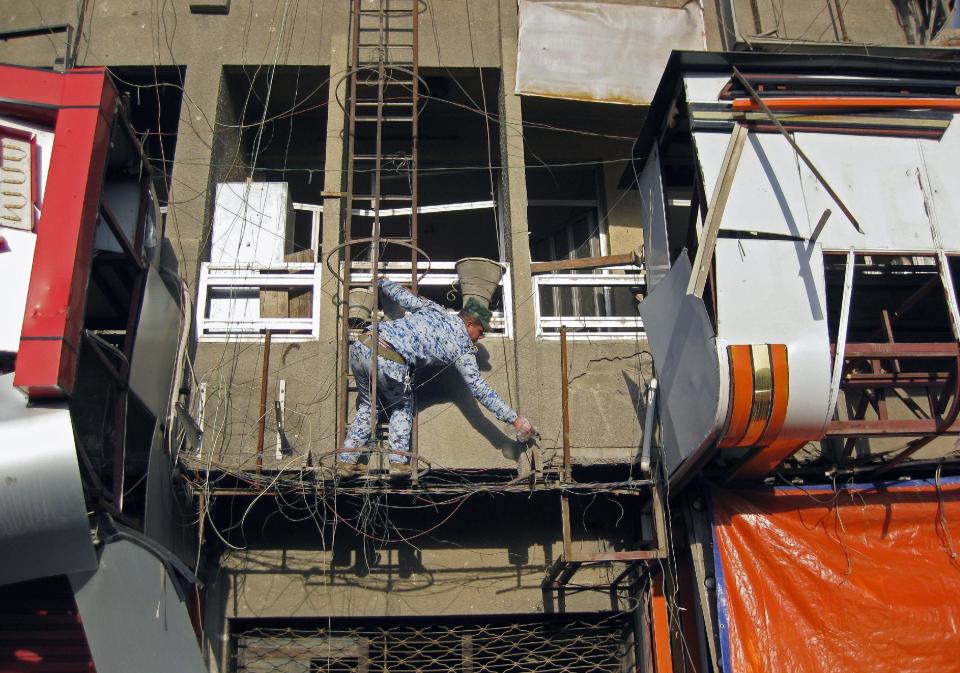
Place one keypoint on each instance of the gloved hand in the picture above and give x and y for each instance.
(525, 429)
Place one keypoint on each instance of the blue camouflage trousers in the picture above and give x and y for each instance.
(395, 400)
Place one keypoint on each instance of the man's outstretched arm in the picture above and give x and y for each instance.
(404, 297)
(481, 390)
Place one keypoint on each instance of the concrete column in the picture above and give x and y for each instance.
(518, 243)
(330, 238)
(192, 189)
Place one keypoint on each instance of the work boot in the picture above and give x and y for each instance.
(401, 470)
(347, 469)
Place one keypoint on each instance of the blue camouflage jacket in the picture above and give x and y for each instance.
(429, 336)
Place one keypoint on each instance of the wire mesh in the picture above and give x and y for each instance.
(596, 646)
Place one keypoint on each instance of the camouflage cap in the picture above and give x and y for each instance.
(481, 313)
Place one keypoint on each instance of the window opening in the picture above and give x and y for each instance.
(458, 189)
(154, 95)
(264, 243)
(575, 152)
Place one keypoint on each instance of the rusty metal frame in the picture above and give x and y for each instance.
(563, 569)
(886, 362)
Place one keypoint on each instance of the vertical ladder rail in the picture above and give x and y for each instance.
(344, 348)
(414, 203)
(375, 237)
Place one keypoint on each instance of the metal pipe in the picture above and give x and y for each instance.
(565, 403)
(261, 425)
(648, 425)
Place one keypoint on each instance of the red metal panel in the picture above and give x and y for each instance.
(46, 363)
(87, 87)
(29, 86)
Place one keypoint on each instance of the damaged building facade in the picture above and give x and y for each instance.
(724, 290)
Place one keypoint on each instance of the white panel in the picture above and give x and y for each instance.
(43, 517)
(132, 615)
(766, 195)
(16, 263)
(940, 161)
(878, 179)
(250, 223)
(704, 88)
(655, 247)
(688, 371)
(603, 51)
(772, 292)
(155, 348)
(234, 309)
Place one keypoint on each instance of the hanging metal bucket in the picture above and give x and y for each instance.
(479, 278)
(361, 304)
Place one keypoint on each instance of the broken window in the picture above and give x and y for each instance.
(264, 242)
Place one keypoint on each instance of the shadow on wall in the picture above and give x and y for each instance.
(440, 387)
(639, 402)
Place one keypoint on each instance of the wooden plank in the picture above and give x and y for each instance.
(586, 263)
(718, 202)
(288, 302)
(300, 299)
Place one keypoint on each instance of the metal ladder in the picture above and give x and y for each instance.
(382, 110)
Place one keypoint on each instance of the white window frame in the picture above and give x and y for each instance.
(220, 278)
(444, 274)
(582, 327)
(213, 277)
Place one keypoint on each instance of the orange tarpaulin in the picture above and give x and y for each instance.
(862, 580)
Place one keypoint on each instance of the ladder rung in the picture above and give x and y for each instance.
(384, 119)
(385, 29)
(368, 197)
(387, 82)
(381, 45)
(383, 157)
(375, 65)
(373, 103)
(387, 12)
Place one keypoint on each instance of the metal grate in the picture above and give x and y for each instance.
(518, 647)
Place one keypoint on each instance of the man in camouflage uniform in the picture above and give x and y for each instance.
(427, 336)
